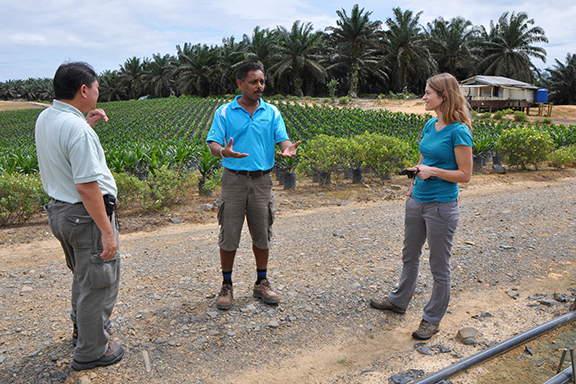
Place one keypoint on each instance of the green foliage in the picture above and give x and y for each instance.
(498, 115)
(520, 116)
(344, 100)
(523, 146)
(320, 154)
(162, 188)
(405, 95)
(563, 157)
(287, 164)
(133, 193)
(168, 187)
(482, 116)
(21, 197)
(383, 155)
(207, 165)
(483, 147)
(563, 135)
(332, 87)
(547, 121)
(212, 182)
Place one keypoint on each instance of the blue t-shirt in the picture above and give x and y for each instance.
(437, 149)
(256, 134)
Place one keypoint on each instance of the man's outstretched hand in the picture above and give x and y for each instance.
(290, 150)
(229, 152)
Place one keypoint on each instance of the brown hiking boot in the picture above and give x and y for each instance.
(225, 297)
(425, 331)
(113, 354)
(386, 305)
(264, 292)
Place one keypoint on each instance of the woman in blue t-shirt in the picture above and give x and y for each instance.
(432, 207)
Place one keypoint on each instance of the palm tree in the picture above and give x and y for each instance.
(298, 55)
(562, 81)
(355, 38)
(131, 73)
(451, 44)
(195, 68)
(507, 48)
(407, 53)
(159, 75)
(228, 56)
(111, 88)
(260, 46)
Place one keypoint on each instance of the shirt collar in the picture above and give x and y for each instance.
(65, 107)
(236, 104)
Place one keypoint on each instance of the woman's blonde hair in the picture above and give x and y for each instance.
(454, 108)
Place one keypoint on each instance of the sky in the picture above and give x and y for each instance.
(37, 36)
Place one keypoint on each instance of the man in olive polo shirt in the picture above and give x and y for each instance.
(80, 213)
(244, 134)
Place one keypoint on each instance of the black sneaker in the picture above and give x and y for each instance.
(113, 354)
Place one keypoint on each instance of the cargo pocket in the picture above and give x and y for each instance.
(220, 211)
(102, 273)
(81, 231)
(271, 214)
(220, 217)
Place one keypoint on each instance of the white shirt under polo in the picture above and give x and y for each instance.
(70, 153)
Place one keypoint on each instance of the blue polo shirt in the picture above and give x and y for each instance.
(256, 134)
(437, 149)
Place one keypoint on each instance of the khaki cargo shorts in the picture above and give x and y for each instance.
(250, 197)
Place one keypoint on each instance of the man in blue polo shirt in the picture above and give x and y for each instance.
(244, 134)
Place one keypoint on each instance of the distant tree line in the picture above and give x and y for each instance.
(359, 55)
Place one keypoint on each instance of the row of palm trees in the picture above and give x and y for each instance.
(362, 54)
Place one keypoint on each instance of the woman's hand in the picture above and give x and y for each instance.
(425, 171)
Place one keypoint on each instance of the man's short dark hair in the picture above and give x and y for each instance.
(70, 77)
(248, 67)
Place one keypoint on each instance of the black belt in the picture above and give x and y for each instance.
(251, 174)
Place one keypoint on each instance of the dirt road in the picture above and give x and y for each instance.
(514, 241)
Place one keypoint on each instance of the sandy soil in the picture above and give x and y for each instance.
(15, 105)
(516, 235)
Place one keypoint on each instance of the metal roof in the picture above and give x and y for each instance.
(497, 81)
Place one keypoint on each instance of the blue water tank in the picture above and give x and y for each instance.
(541, 95)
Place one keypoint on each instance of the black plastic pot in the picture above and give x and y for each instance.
(324, 178)
(357, 177)
(479, 162)
(289, 180)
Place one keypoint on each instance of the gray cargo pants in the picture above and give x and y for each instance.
(95, 280)
(435, 222)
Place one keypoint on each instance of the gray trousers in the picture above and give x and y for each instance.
(435, 222)
(95, 280)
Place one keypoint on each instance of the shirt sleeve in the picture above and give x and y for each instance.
(462, 136)
(83, 156)
(280, 133)
(217, 131)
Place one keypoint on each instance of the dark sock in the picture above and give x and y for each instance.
(261, 275)
(227, 277)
